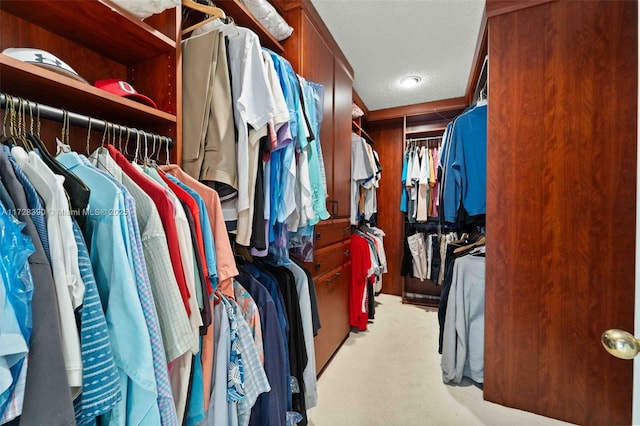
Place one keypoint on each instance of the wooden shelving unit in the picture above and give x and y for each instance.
(37, 84)
(100, 26)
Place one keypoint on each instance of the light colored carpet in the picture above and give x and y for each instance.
(390, 376)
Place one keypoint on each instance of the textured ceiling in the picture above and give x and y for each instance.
(385, 40)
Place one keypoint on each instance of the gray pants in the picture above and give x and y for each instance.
(419, 255)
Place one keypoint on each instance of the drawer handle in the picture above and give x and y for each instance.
(333, 277)
(317, 236)
(347, 230)
(346, 253)
(317, 266)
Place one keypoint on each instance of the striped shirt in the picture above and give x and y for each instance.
(100, 378)
(176, 330)
(166, 405)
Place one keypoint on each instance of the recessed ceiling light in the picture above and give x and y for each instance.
(410, 81)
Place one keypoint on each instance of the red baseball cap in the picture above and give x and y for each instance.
(124, 89)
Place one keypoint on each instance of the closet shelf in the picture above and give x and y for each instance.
(241, 16)
(362, 133)
(36, 84)
(425, 130)
(99, 25)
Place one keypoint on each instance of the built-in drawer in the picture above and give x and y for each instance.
(328, 258)
(331, 231)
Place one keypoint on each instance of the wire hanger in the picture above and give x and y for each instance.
(212, 12)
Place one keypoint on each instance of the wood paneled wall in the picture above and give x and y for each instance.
(389, 139)
(561, 185)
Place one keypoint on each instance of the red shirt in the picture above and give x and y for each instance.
(360, 264)
(194, 208)
(165, 209)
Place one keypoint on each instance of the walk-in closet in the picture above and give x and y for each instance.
(315, 212)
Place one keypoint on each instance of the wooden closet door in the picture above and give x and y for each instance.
(342, 141)
(561, 197)
(317, 66)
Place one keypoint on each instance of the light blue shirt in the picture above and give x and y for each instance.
(318, 194)
(16, 290)
(107, 236)
(100, 378)
(136, 257)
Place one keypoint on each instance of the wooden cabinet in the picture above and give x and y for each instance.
(332, 289)
(314, 54)
(331, 271)
(99, 41)
(341, 185)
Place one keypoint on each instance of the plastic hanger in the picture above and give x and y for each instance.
(212, 12)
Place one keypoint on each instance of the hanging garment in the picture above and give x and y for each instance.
(46, 395)
(66, 273)
(423, 186)
(463, 346)
(360, 265)
(16, 290)
(270, 408)
(208, 150)
(177, 336)
(419, 255)
(466, 165)
(116, 282)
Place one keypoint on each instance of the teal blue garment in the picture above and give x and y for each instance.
(16, 290)
(108, 240)
(207, 233)
(195, 410)
(403, 197)
(318, 194)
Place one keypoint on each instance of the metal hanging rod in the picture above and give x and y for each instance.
(429, 139)
(56, 114)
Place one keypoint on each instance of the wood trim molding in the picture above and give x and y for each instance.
(500, 7)
(317, 21)
(417, 109)
(478, 58)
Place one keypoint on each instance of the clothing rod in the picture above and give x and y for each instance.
(56, 114)
(433, 138)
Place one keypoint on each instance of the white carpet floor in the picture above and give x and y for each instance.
(390, 376)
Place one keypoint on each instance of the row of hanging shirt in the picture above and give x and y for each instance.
(251, 130)
(420, 188)
(366, 173)
(138, 261)
(368, 263)
(462, 174)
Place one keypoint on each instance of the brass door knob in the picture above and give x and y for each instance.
(620, 343)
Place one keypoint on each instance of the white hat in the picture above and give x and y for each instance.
(43, 59)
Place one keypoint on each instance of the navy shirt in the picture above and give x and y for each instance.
(271, 407)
